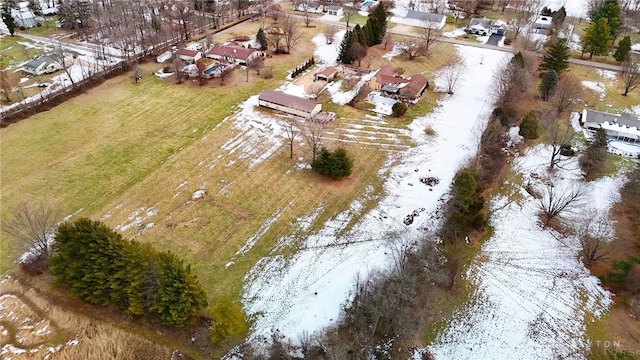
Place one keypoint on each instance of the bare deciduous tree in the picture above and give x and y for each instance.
(568, 92)
(306, 17)
(357, 52)
(368, 59)
(413, 48)
(33, 228)
(313, 133)
(595, 232)
(292, 33)
(523, 14)
(5, 84)
(291, 131)
(452, 73)
(256, 64)
(558, 199)
(387, 40)
(329, 33)
(348, 11)
(225, 74)
(558, 137)
(314, 89)
(630, 75)
(177, 66)
(429, 32)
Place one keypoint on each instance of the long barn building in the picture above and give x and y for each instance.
(290, 104)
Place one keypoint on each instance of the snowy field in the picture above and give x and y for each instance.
(533, 294)
(304, 292)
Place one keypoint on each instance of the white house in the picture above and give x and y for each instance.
(23, 16)
(188, 56)
(625, 127)
(233, 53)
(335, 10)
(290, 104)
(309, 6)
(542, 24)
(42, 65)
(479, 26)
(422, 19)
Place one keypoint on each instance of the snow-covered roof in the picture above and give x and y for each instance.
(478, 23)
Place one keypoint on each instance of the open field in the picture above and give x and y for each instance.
(133, 156)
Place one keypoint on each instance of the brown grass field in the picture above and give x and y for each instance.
(123, 151)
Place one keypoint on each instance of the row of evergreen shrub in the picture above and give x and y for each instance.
(302, 68)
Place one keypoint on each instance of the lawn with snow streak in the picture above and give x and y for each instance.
(304, 291)
(533, 294)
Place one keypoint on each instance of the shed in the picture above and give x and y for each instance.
(290, 104)
(327, 74)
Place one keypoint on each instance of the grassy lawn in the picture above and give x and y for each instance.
(612, 99)
(355, 19)
(124, 150)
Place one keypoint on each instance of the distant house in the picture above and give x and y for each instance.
(290, 104)
(397, 87)
(309, 6)
(542, 25)
(42, 65)
(23, 16)
(625, 127)
(421, 19)
(479, 26)
(327, 74)
(233, 53)
(188, 56)
(335, 10)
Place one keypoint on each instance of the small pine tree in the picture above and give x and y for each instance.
(600, 139)
(398, 109)
(335, 164)
(228, 321)
(623, 52)
(596, 38)
(556, 57)
(261, 38)
(548, 84)
(529, 126)
(463, 190)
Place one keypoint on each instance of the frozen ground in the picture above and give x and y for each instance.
(304, 292)
(533, 294)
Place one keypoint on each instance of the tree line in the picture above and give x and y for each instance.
(356, 41)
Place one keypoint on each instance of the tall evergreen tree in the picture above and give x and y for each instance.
(548, 84)
(7, 19)
(180, 295)
(261, 38)
(556, 57)
(597, 38)
(623, 52)
(610, 10)
(348, 40)
(378, 23)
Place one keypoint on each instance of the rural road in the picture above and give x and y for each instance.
(404, 32)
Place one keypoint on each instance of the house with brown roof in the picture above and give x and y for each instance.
(188, 56)
(233, 53)
(289, 104)
(395, 86)
(327, 74)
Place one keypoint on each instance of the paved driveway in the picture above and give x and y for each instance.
(494, 39)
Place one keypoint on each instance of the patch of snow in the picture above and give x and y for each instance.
(533, 294)
(455, 33)
(199, 194)
(397, 50)
(304, 291)
(344, 97)
(636, 110)
(514, 136)
(607, 74)
(635, 47)
(596, 86)
(327, 53)
(575, 8)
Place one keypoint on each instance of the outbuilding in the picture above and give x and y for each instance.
(290, 104)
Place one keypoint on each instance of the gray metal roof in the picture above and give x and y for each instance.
(485, 23)
(424, 16)
(600, 117)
